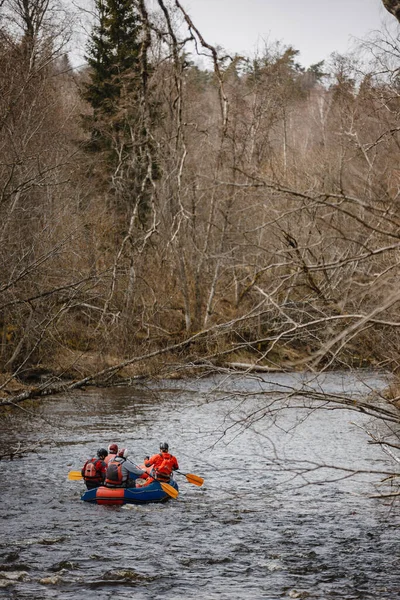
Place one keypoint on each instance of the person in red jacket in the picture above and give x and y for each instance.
(163, 464)
(94, 470)
(112, 453)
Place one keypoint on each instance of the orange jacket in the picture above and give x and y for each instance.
(163, 464)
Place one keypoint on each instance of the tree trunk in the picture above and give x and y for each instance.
(392, 6)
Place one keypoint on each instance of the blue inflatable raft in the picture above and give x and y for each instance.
(153, 492)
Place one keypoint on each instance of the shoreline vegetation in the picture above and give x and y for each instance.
(166, 219)
(91, 369)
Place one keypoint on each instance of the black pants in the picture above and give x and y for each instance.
(93, 484)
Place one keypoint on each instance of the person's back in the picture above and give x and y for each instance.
(94, 470)
(112, 453)
(120, 470)
(163, 463)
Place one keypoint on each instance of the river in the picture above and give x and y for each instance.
(261, 526)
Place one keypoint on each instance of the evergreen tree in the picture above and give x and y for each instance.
(113, 56)
(121, 109)
(122, 112)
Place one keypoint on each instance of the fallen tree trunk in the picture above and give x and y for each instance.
(48, 389)
(253, 368)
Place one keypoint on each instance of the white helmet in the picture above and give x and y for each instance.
(123, 453)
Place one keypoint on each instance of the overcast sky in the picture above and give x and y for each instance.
(314, 27)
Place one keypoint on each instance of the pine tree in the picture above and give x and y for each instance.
(122, 111)
(113, 56)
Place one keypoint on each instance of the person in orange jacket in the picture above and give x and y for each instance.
(112, 453)
(163, 464)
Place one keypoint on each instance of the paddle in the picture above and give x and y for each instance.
(168, 489)
(195, 479)
(75, 475)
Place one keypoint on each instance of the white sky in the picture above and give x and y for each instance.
(314, 27)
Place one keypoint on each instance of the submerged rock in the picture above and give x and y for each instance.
(124, 575)
(9, 577)
(52, 580)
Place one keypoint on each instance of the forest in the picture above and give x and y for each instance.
(162, 218)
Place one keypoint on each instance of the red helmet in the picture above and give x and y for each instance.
(113, 449)
(123, 453)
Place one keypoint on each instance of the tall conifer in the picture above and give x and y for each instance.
(113, 55)
(121, 110)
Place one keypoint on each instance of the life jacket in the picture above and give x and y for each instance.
(92, 471)
(164, 467)
(114, 476)
(109, 458)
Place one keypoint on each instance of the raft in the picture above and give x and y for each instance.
(138, 495)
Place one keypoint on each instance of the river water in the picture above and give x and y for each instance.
(269, 522)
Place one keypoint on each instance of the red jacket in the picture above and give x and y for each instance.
(94, 470)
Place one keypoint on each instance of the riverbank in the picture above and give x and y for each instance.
(101, 369)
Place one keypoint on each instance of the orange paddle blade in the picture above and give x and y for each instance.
(195, 479)
(75, 475)
(168, 489)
